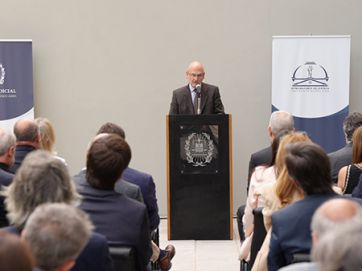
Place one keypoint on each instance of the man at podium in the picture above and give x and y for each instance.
(196, 97)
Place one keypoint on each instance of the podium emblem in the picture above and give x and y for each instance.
(2, 74)
(199, 149)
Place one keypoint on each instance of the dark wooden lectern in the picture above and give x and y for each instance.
(199, 181)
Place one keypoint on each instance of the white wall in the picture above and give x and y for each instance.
(98, 61)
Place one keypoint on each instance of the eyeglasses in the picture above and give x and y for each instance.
(196, 74)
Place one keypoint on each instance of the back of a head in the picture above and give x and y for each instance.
(41, 178)
(57, 233)
(357, 146)
(107, 157)
(281, 121)
(285, 188)
(351, 123)
(111, 128)
(308, 165)
(333, 214)
(340, 249)
(47, 134)
(7, 140)
(14, 253)
(26, 130)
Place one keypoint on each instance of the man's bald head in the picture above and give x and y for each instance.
(195, 73)
(334, 213)
(26, 130)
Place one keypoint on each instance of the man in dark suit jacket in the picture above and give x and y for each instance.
(27, 140)
(308, 166)
(343, 156)
(196, 95)
(141, 179)
(7, 151)
(121, 219)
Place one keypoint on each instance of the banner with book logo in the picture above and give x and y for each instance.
(16, 81)
(310, 79)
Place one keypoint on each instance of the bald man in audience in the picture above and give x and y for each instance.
(330, 216)
(27, 140)
(7, 158)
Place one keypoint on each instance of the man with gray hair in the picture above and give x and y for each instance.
(7, 158)
(343, 156)
(27, 139)
(280, 121)
(57, 233)
(334, 214)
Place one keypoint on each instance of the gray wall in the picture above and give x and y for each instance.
(98, 61)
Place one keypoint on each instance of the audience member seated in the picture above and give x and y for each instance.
(343, 156)
(121, 219)
(42, 178)
(278, 195)
(27, 140)
(330, 216)
(148, 189)
(7, 158)
(47, 136)
(261, 176)
(56, 234)
(15, 254)
(307, 165)
(340, 249)
(348, 176)
(279, 121)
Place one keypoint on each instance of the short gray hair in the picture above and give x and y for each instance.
(281, 121)
(340, 249)
(41, 178)
(7, 140)
(57, 232)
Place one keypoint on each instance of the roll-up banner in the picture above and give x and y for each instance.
(310, 79)
(16, 82)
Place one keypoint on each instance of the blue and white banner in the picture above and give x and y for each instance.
(16, 81)
(310, 79)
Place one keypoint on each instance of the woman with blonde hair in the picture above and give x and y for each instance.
(47, 136)
(279, 194)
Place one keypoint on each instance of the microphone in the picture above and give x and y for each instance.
(198, 93)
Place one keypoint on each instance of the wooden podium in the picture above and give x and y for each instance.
(199, 177)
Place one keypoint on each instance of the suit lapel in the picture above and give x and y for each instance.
(188, 100)
(203, 97)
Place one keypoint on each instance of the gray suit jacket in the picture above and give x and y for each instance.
(339, 159)
(211, 103)
(131, 190)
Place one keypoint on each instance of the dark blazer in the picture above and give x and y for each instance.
(121, 219)
(211, 103)
(6, 178)
(339, 159)
(131, 190)
(148, 189)
(291, 230)
(20, 152)
(94, 257)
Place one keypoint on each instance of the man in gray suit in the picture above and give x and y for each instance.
(196, 97)
(343, 156)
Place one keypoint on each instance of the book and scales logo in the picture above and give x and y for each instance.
(2, 74)
(310, 77)
(5, 92)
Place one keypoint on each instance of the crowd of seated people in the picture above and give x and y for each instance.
(304, 177)
(115, 204)
(31, 175)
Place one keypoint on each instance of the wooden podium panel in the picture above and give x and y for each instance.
(199, 184)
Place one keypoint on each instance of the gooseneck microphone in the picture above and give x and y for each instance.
(198, 96)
